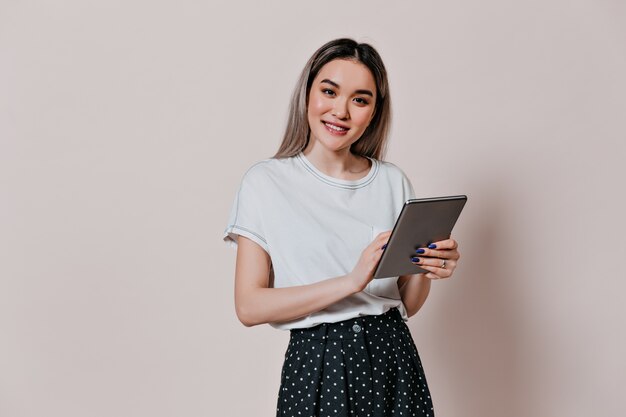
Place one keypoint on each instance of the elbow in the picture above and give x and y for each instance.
(413, 308)
(410, 312)
(244, 321)
(244, 315)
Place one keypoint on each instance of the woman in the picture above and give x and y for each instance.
(306, 225)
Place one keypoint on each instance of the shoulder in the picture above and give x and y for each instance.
(392, 170)
(257, 169)
(267, 169)
(398, 180)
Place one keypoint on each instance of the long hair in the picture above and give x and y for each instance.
(373, 141)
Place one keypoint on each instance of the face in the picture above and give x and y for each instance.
(341, 103)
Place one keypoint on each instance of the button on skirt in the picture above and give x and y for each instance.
(367, 366)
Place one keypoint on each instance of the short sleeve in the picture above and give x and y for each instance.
(246, 214)
(407, 188)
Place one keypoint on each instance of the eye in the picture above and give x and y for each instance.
(328, 91)
(361, 100)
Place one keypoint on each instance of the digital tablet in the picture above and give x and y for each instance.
(421, 222)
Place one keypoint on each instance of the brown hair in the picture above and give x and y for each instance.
(373, 142)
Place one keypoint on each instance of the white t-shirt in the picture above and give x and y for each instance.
(315, 226)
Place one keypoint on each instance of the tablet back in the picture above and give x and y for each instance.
(421, 222)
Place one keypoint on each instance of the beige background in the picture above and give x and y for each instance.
(125, 128)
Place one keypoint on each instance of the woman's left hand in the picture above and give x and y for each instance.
(439, 258)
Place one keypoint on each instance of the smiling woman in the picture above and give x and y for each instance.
(303, 221)
(341, 105)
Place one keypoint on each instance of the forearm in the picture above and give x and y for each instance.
(414, 292)
(265, 305)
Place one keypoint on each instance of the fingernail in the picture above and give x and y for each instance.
(420, 251)
(432, 246)
(384, 246)
(415, 259)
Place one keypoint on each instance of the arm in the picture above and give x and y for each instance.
(414, 290)
(256, 303)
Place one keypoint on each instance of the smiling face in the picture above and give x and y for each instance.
(341, 103)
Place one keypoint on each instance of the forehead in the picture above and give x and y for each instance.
(348, 74)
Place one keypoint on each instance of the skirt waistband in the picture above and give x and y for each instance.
(353, 328)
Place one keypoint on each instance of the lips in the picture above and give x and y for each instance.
(335, 128)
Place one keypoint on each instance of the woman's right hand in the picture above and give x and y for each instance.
(363, 271)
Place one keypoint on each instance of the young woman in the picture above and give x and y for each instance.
(310, 225)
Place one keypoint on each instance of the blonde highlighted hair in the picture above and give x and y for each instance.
(373, 142)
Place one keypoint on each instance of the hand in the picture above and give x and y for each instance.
(440, 258)
(363, 272)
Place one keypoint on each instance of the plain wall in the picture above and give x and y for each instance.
(126, 126)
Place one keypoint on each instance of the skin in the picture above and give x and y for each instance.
(338, 96)
(343, 93)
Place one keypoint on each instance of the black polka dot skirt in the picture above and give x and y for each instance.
(362, 367)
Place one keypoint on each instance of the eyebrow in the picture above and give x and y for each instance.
(334, 84)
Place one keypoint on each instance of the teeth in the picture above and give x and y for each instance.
(340, 129)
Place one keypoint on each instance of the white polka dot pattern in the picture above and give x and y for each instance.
(363, 367)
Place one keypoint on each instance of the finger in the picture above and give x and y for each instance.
(376, 258)
(383, 236)
(443, 254)
(436, 262)
(440, 272)
(382, 239)
(444, 244)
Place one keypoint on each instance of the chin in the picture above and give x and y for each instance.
(335, 146)
(333, 143)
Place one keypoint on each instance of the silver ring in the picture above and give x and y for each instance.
(443, 264)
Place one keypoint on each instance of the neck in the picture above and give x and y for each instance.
(340, 163)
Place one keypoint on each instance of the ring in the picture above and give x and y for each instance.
(443, 264)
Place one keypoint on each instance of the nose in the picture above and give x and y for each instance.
(340, 109)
